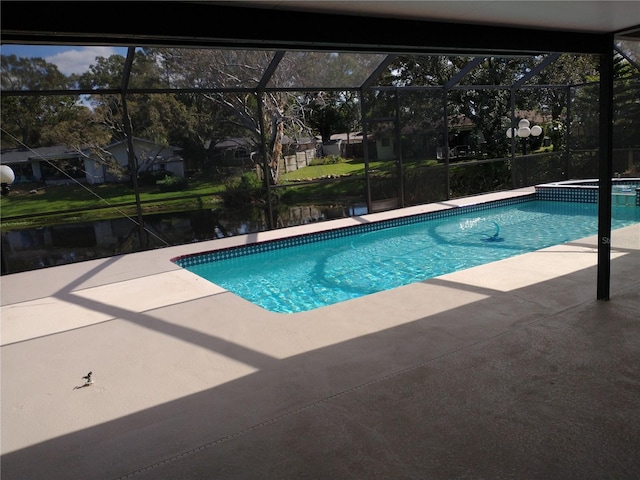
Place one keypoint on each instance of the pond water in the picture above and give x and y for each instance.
(35, 248)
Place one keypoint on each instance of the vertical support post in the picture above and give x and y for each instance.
(512, 109)
(525, 166)
(365, 148)
(398, 152)
(605, 171)
(567, 135)
(128, 132)
(445, 133)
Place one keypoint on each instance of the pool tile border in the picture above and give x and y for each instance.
(583, 191)
(190, 260)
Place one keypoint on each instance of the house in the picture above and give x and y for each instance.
(346, 145)
(426, 138)
(291, 146)
(242, 153)
(383, 136)
(150, 156)
(40, 164)
(64, 164)
(233, 152)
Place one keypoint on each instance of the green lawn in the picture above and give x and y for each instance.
(73, 203)
(59, 198)
(350, 167)
(31, 205)
(20, 202)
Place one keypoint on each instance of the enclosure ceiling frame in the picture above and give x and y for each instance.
(628, 58)
(473, 63)
(537, 69)
(174, 25)
(31, 22)
(270, 70)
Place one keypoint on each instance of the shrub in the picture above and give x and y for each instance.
(329, 160)
(151, 178)
(172, 184)
(246, 190)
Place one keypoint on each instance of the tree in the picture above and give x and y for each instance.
(152, 116)
(332, 112)
(229, 80)
(626, 103)
(26, 119)
(485, 110)
(210, 70)
(160, 118)
(567, 70)
(489, 109)
(76, 129)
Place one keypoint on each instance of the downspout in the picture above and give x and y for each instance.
(605, 171)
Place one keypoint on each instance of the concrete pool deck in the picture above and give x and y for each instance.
(506, 370)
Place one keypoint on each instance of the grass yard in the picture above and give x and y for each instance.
(339, 169)
(35, 205)
(58, 204)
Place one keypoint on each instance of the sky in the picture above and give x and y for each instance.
(69, 59)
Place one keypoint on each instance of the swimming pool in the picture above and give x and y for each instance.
(307, 272)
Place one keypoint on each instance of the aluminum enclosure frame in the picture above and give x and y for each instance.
(181, 24)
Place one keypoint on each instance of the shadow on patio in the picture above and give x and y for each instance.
(454, 377)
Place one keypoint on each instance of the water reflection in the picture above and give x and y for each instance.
(35, 248)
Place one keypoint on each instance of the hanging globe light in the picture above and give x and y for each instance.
(6, 178)
(6, 174)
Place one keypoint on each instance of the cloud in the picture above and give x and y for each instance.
(78, 61)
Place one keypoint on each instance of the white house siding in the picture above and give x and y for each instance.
(333, 148)
(150, 157)
(94, 170)
(386, 149)
(37, 172)
(175, 167)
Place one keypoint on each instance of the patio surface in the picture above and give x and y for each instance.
(511, 370)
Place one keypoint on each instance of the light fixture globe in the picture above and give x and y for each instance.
(524, 123)
(511, 132)
(536, 130)
(524, 132)
(6, 174)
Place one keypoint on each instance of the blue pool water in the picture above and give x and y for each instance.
(294, 277)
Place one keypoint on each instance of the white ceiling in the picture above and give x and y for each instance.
(591, 16)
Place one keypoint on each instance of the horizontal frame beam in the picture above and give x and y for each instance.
(174, 24)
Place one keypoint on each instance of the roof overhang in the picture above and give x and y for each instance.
(228, 24)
